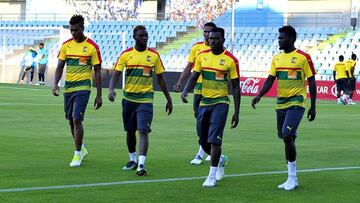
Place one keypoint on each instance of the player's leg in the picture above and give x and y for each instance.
(200, 154)
(291, 123)
(217, 114)
(217, 124)
(144, 119)
(80, 101)
(26, 69)
(338, 92)
(31, 75)
(129, 120)
(352, 87)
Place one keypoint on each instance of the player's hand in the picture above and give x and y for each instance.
(177, 87)
(235, 120)
(254, 101)
(112, 96)
(184, 95)
(169, 107)
(56, 90)
(97, 103)
(311, 114)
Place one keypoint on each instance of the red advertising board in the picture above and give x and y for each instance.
(325, 89)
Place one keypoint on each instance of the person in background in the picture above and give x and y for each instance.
(29, 60)
(42, 64)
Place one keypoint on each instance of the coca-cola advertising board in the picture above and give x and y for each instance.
(325, 89)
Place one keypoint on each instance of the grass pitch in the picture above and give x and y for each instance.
(36, 149)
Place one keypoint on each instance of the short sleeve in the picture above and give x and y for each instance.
(192, 54)
(96, 56)
(159, 67)
(308, 68)
(272, 70)
(197, 65)
(121, 62)
(62, 53)
(234, 69)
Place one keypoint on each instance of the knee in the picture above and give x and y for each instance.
(288, 139)
(76, 121)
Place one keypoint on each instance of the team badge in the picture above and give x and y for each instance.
(148, 58)
(293, 59)
(222, 62)
(84, 49)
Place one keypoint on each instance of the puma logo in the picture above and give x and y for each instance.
(288, 127)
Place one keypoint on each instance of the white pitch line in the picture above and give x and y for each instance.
(167, 180)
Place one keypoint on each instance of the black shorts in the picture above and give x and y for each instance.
(42, 68)
(137, 116)
(342, 85)
(352, 84)
(75, 104)
(288, 120)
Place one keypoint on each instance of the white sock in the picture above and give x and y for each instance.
(142, 160)
(132, 156)
(201, 152)
(220, 160)
(292, 168)
(212, 172)
(77, 153)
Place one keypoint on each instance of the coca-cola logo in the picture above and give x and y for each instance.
(250, 85)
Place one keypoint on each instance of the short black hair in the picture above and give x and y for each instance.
(341, 57)
(211, 24)
(353, 56)
(41, 43)
(138, 27)
(289, 30)
(219, 29)
(77, 19)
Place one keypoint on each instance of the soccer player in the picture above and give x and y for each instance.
(291, 67)
(30, 64)
(341, 80)
(140, 63)
(350, 66)
(80, 54)
(217, 67)
(43, 60)
(195, 50)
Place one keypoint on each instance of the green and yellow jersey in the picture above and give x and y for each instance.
(216, 71)
(139, 68)
(79, 58)
(340, 69)
(291, 70)
(194, 51)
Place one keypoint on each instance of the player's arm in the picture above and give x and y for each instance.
(265, 88)
(163, 86)
(334, 75)
(98, 99)
(312, 89)
(185, 74)
(190, 85)
(113, 81)
(237, 97)
(58, 74)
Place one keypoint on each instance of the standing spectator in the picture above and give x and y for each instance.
(42, 64)
(29, 59)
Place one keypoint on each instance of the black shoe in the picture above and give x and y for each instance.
(131, 165)
(141, 171)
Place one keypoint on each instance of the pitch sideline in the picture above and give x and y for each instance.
(167, 180)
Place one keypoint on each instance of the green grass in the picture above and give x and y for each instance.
(36, 148)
